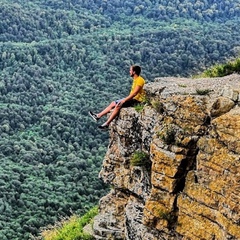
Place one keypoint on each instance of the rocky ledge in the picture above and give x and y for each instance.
(189, 186)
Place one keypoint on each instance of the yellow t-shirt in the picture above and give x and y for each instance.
(139, 81)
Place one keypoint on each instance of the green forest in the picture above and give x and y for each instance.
(61, 58)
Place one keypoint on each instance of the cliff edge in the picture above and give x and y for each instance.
(189, 188)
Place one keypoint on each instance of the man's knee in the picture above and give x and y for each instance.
(112, 104)
(117, 108)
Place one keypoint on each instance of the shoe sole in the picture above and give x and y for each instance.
(103, 129)
(92, 117)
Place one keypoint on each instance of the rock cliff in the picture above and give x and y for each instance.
(189, 187)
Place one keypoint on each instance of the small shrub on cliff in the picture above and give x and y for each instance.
(139, 107)
(222, 70)
(71, 228)
(182, 85)
(168, 216)
(140, 158)
(203, 91)
(158, 106)
(168, 136)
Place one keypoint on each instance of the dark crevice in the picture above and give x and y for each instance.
(207, 121)
(128, 193)
(195, 179)
(188, 164)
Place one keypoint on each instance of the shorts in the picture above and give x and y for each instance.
(130, 103)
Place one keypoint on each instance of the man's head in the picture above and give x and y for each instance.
(135, 69)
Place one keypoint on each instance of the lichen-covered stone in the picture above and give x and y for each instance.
(221, 106)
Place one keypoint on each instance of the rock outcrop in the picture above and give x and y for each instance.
(190, 187)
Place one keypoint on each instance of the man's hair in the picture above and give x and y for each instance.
(136, 69)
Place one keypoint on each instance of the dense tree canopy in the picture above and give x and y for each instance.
(59, 59)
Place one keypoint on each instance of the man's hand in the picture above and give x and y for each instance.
(119, 104)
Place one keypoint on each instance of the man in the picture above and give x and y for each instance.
(135, 96)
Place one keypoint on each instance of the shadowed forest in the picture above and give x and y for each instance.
(61, 58)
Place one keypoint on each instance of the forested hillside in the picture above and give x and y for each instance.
(59, 59)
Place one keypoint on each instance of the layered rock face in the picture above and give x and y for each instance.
(189, 188)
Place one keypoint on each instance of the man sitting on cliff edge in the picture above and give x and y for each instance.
(135, 96)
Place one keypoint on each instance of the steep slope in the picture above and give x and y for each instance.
(190, 187)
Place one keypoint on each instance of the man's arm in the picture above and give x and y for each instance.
(136, 90)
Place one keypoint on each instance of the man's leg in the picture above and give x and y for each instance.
(113, 115)
(115, 112)
(107, 109)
